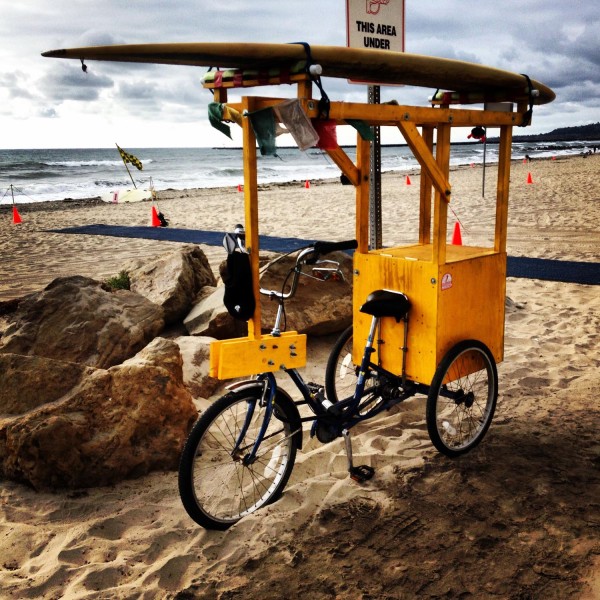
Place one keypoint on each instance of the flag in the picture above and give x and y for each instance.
(130, 158)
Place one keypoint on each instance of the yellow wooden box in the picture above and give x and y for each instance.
(242, 357)
(461, 299)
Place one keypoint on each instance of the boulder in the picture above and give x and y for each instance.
(319, 307)
(195, 351)
(209, 317)
(76, 319)
(112, 424)
(173, 280)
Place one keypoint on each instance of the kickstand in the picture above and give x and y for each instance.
(361, 473)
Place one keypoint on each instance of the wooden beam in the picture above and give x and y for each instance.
(391, 114)
(348, 168)
(425, 194)
(363, 157)
(440, 218)
(504, 156)
(304, 90)
(251, 211)
(423, 154)
(220, 95)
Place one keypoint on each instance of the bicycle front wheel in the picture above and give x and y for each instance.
(216, 487)
(462, 398)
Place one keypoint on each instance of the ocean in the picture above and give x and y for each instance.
(46, 175)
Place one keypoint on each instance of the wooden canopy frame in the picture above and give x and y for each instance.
(426, 271)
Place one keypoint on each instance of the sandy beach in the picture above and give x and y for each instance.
(519, 517)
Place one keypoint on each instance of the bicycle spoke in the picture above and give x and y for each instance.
(221, 488)
(459, 412)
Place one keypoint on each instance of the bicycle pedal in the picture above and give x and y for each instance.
(361, 473)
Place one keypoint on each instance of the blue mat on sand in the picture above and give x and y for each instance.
(517, 266)
(188, 236)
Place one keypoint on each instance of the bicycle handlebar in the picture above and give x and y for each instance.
(320, 248)
(309, 256)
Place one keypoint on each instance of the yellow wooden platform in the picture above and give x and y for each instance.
(241, 357)
(461, 299)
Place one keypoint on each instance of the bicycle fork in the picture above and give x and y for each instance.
(268, 394)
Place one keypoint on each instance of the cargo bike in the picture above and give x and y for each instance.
(428, 318)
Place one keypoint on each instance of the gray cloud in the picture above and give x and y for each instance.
(48, 113)
(64, 83)
(554, 42)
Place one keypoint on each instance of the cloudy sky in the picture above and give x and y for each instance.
(46, 103)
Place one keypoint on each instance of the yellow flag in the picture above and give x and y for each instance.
(130, 158)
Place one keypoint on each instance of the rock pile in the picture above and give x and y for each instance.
(91, 393)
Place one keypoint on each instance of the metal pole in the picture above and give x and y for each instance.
(375, 239)
(484, 157)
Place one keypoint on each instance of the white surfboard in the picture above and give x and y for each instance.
(123, 196)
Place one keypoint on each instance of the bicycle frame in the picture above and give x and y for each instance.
(342, 415)
(338, 417)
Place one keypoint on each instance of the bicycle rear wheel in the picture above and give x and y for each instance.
(341, 374)
(462, 398)
(216, 487)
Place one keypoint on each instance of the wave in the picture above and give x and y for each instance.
(57, 174)
(91, 163)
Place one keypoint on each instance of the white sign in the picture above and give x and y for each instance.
(375, 24)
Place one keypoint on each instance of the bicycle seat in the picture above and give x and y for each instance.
(386, 303)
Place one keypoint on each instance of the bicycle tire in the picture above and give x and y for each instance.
(216, 488)
(341, 374)
(460, 412)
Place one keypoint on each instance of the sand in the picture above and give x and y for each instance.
(519, 517)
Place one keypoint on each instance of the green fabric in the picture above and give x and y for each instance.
(263, 124)
(215, 116)
(366, 133)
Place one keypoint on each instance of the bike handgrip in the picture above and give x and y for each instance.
(320, 248)
(327, 247)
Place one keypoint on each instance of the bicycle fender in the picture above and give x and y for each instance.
(246, 384)
(282, 398)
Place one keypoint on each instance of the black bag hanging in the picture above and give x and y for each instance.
(239, 292)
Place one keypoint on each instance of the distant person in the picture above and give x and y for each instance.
(528, 158)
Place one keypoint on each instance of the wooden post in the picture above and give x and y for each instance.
(503, 187)
(440, 219)
(251, 211)
(425, 207)
(363, 153)
(220, 95)
(304, 90)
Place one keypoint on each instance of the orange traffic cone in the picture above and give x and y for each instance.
(529, 178)
(155, 219)
(408, 180)
(240, 187)
(16, 216)
(456, 236)
(307, 184)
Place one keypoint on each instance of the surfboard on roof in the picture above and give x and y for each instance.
(367, 65)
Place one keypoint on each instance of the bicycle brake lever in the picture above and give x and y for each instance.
(326, 274)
